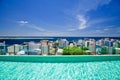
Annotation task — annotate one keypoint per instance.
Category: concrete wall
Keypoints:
(60, 59)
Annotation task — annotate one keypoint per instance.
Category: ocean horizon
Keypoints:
(21, 39)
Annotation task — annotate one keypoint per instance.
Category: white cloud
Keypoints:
(82, 22)
(81, 9)
(35, 27)
(26, 24)
(85, 6)
(22, 22)
(88, 5)
(100, 20)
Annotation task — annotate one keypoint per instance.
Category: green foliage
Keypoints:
(119, 46)
(104, 50)
(73, 51)
(114, 51)
(85, 48)
(66, 51)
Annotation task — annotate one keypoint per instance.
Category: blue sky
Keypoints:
(60, 18)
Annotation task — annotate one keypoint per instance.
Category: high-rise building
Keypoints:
(13, 49)
(71, 44)
(92, 46)
(80, 43)
(87, 43)
(59, 51)
(63, 43)
(110, 50)
(34, 46)
(52, 51)
(101, 42)
(115, 44)
(44, 47)
(51, 48)
(2, 48)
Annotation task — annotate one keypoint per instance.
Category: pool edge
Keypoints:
(60, 58)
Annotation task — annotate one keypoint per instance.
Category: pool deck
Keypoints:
(60, 59)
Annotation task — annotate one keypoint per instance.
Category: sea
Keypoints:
(21, 39)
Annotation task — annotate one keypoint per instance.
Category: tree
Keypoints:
(85, 48)
(66, 51)
(104, 50)
(73, 51)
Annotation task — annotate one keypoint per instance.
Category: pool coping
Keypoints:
(59, 58)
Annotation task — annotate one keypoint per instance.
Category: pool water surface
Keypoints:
(106, 70)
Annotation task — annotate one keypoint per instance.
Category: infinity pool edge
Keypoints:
(60, 58)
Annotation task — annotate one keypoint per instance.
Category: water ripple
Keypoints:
(108, 70)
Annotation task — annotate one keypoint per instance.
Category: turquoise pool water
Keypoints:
(106, 70)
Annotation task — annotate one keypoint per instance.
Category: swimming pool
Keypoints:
(102, 70)
(105, 67)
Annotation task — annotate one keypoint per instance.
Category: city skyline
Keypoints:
(96, 18)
